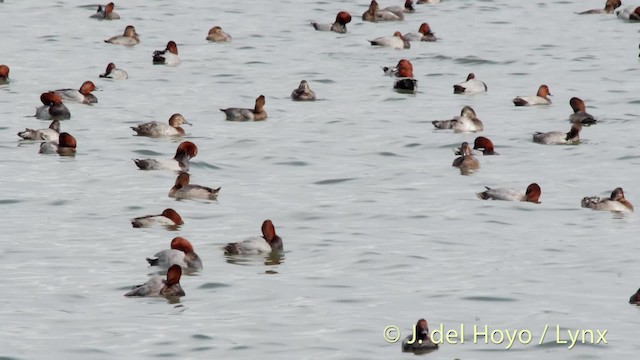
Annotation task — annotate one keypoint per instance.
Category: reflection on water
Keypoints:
(271, 259)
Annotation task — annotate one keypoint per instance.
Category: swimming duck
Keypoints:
(397, 41)
(269, 242)
(157, 129)
(64, 146)
(559, 137)
(339, 26)
(467, 121)
(303, 92)
(616, 202)
(107, 14)
(541, 98)
(169, 217)
(50, 134)
(424, 34)
(580, 114)
(240, 114)
(114, 73)
(180, 162)
(217, 35)
(532, 194)
(128, 38)
(405, 82)
(159, 286)
(471, 86)
(183, 190)
(53, 108)
(181, 253)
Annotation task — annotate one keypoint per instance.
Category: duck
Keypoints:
(128, 38)
(635, 298)
(609, 7)
(370, 14)
(401, 10)
(180, 162)
(50, 134)
(405, 82)
(629, 13)
(471, 86)
(616, 202)
(339, 26)
(375, 14)
(168, 56)
(466, 162)
(397, 41)
(181, 253)
(467, 121)
(303, 92)
(160, 286)
(532, 194)
(541, 98)
(240, 114)
(183, 190)
(483, 145)
(419, 341)
(217, 35)
(269, 242)
(4, 74)
(114, 73)
(580, 114)
(53, 108)
(559, 137)
(169, 218)
(64, 146)
(424, 34)
(82, 95)
(107, 14)
(158, 129)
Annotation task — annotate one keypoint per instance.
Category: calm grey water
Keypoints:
(379, 229)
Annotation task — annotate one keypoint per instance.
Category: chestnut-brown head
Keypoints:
(182, 180)
(172, 47)
(268, 231)
(408, 6)
(87, 87)
(4, 72)
(343, 18)
(182, 244)
(50, 98)
(173, 275)
(108, 9)
(533, 193)
(187, 147)
(405, 68)
(425, 29)
(577, 104)
(67, 140)
(543, 91)
(484, 143)
(173, 216)
(110, 68)
(421, 326)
